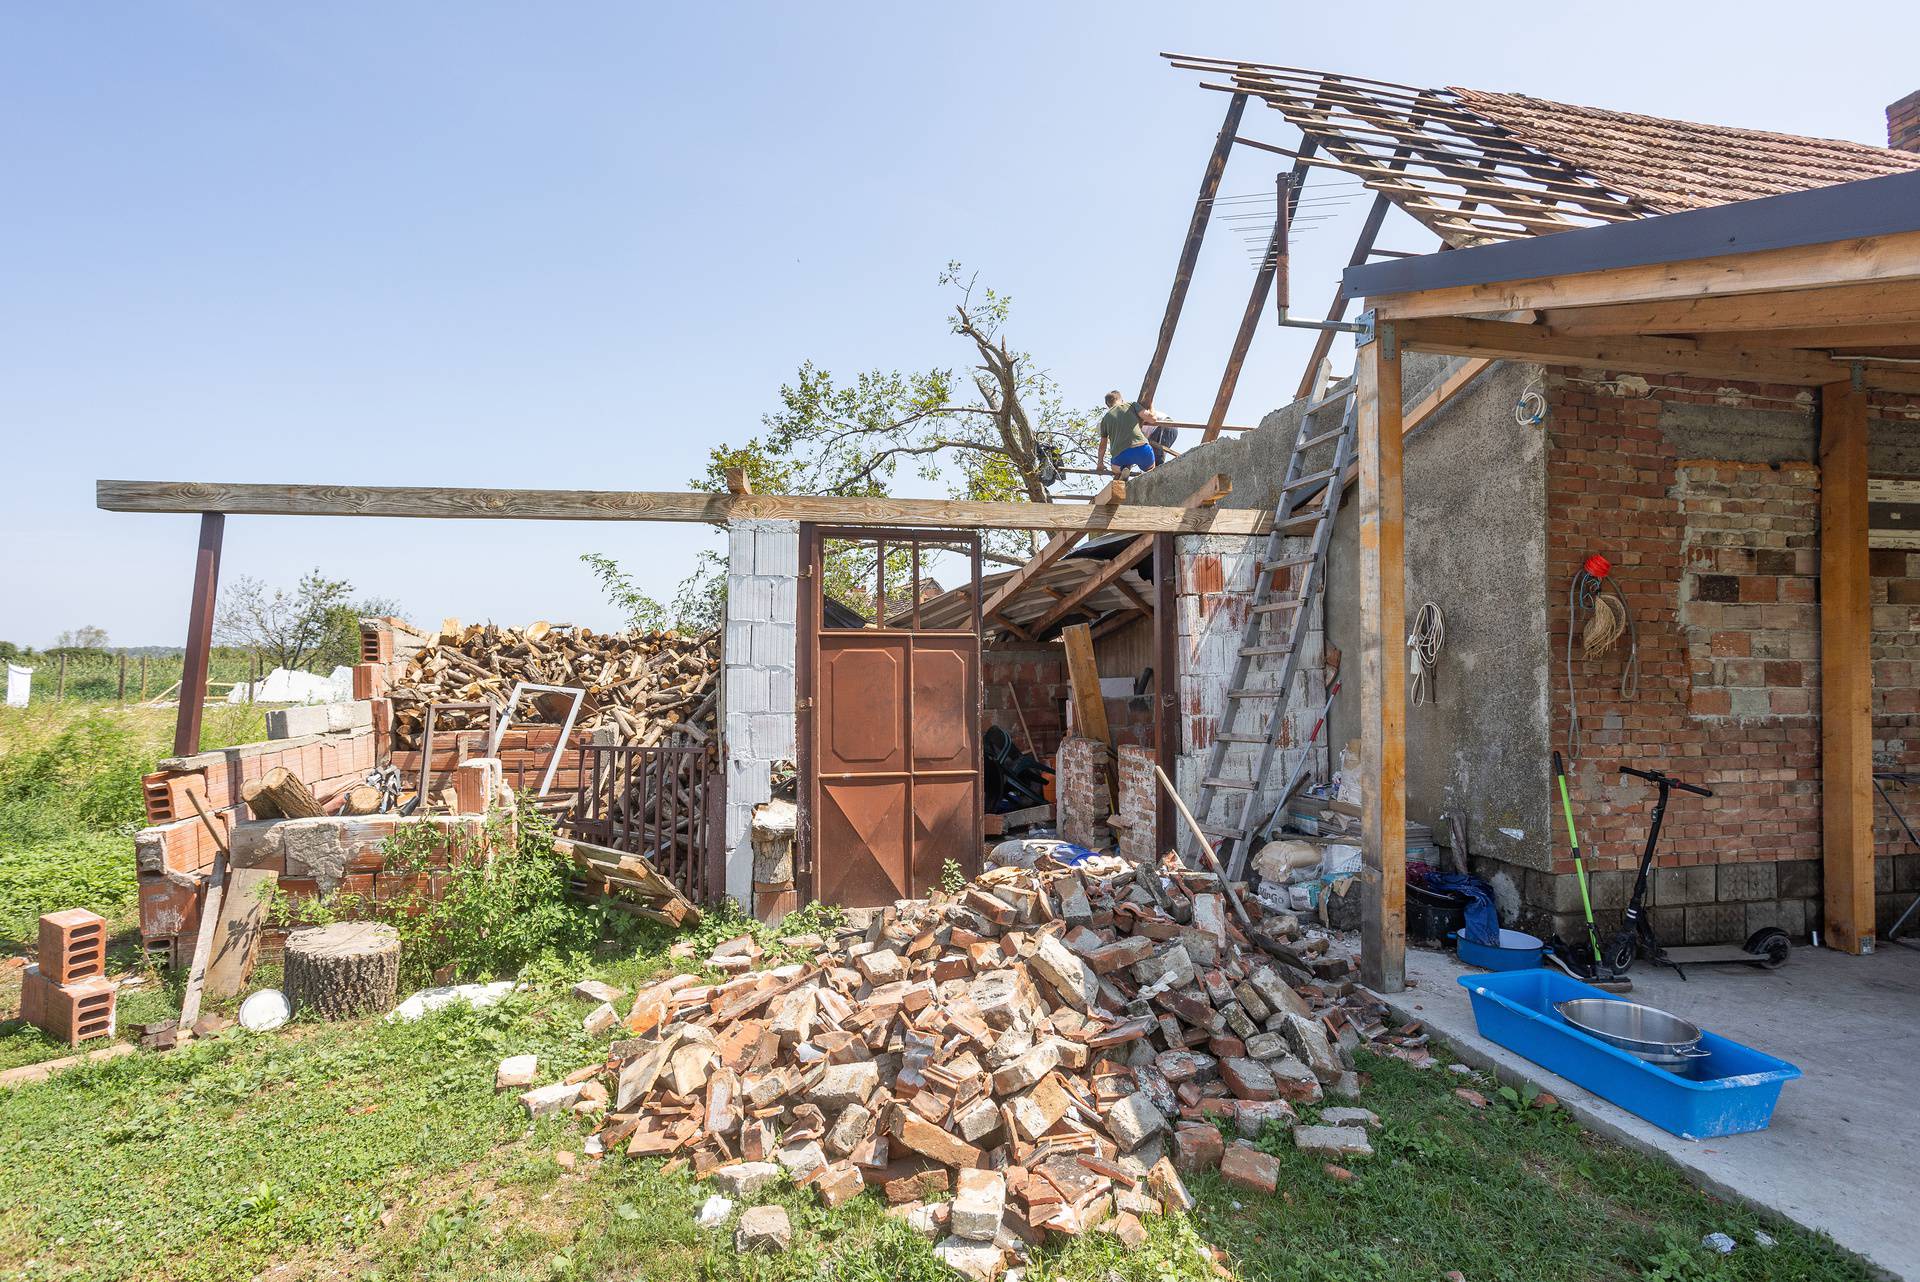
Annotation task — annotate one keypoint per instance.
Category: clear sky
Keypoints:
(577, 245)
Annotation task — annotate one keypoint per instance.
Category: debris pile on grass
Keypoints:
(1054, 1046)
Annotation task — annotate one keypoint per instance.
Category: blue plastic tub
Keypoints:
(1517, 951)
(1732, 1089)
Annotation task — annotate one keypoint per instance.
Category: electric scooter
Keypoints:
(1588, 964)
(1767, 948)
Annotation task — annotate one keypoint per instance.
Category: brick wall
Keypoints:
(1037, 677)
(1719, 561)
(757, 697)
(1213, 595)
(1081, 791)
(1139, 804)
(1903, 123)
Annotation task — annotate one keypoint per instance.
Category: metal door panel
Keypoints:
(946, 714)
(862, 680)
(863, 825)
(946, 816)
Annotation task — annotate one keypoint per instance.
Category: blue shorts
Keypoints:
(1140, 456)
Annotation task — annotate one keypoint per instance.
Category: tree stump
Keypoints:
(346, 969)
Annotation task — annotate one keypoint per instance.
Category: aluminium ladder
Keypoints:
(1308, 502)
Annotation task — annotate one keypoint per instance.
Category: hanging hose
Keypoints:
(1594, 592)
(1429, 633)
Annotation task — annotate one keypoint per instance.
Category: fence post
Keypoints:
(123, 678)
(143, 678)
(60, 691)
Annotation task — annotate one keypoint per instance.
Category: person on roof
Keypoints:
(1123, 434)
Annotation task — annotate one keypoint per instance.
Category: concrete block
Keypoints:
(776, 547)
(1742, 883)
(785, 599)
(739, 643)
(772, 645)
(749, 598)
(1797, 878)
(748, 690)
(780, 691)
(296, 722)
(773, 737)
(355, 714)
(1716, 924)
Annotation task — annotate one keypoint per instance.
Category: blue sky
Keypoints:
(577, 245)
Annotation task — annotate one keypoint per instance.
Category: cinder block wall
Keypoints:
(757, 698)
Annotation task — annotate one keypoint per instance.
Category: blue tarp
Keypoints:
(1483, 922)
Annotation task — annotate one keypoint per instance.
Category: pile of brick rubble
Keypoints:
(1051, 1047)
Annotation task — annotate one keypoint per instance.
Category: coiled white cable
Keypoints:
(1424, 642)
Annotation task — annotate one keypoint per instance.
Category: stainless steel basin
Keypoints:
(1641, 1031)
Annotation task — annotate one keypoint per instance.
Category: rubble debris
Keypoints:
(763, 1228)
(516, 1072)
(1348, 1141)
(1055, 1073)
(639, 685)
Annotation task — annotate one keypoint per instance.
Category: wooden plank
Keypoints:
(640, 505)
(1190, 248)
(1846, 672)
(236, 937)
(1506, 340)
(1839, 305)
(1217, 487)
(1166, 673)
(200, 612)
(1055, 548)
(1089, 708)
(1383, 677)
(1796, 268)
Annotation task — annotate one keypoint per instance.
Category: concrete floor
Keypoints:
(1843, 1152)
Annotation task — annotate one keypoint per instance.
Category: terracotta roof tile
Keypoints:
(1676, 164)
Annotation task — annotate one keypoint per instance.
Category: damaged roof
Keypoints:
(1477, 167)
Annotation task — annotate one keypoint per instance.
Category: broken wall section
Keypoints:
(757, 699)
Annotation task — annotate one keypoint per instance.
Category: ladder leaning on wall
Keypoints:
(1308, 504)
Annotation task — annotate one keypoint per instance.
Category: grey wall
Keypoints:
(1475, 546)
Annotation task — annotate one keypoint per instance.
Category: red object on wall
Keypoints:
(1598, 566)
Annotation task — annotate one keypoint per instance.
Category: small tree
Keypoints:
(341, 645)
(286, 628)
(86, 638)
(641, 612)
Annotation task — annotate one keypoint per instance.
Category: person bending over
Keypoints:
(1123, 435)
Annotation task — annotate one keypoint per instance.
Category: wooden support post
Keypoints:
(1190, 250)
(193, 674)
(123, 678)
(1846, 671)
(1383, 669)
(1166, 674)
(60, 689)
(143, 678)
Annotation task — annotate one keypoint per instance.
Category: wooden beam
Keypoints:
(1166, 674)
(200, 611)
(641, 505)
(1846, 672)
(1506, 340)
(1877, 302)
(1383, 677)
(1216, 488)
(1089, 707)
(1190, 248)
(1337, 309)
(1056, 547)
(1798, 268)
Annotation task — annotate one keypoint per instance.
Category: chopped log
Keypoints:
(340, 971)
(362, 799)
(279, 794)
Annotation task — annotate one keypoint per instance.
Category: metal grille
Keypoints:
(657, 802)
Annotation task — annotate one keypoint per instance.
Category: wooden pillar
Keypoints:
(1383, 669)
(1166, 679)
(1846, 671)
(1190, 248)
(193, 674)
(123, 678)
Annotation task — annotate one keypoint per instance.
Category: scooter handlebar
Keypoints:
(1654, 776)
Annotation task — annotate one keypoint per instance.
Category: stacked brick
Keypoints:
(174, 855)
(67, 994)
(524, 754)
(1903, 123)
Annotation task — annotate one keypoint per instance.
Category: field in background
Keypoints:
(93, 676)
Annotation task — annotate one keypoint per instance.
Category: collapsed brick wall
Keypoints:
(524, 754)
(1080, 785)
(1719, 561)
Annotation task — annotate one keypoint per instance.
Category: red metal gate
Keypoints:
(889, 731)
(657, 801)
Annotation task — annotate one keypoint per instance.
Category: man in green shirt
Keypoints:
(1123, 435)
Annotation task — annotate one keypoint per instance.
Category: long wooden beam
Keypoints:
(641, 505)
(1190, 248)
(1383, 671)
(1507, 340)
(200, 612)
(1877, 302)
(1846, 672)
(1055, 548)
(1215, 489)
(1798, 268)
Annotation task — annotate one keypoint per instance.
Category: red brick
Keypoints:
(1250, 1169)
(71, 1013)
(73, 945)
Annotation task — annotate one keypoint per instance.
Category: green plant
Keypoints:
(953, 879)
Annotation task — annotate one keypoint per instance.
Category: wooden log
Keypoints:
(343, 970)
(279, 794)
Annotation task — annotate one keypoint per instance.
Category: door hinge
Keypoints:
(804, 704)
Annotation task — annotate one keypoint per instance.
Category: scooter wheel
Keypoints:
(1771, 946)
(1619, 954)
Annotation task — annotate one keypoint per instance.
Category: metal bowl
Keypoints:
(1642, 1031)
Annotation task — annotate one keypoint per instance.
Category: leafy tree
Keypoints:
(641, 612)
(85, 638)
(341, 646)
(997, 431)
(288, 629)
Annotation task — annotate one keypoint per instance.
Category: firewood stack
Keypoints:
(1051, 1047)
(644, 686)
